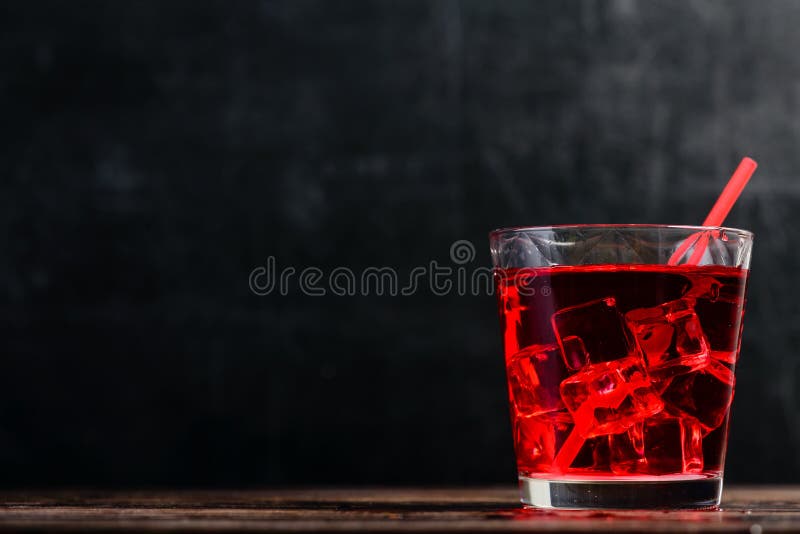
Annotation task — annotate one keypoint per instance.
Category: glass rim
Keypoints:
(747, 234)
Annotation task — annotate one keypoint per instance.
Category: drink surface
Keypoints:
(621, 371)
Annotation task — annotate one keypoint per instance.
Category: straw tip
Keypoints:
(749, 161)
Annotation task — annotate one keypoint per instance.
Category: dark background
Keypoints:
(152, 154)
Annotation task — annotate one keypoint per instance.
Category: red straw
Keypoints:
(731, 193)
(718, 213)
(569, 449)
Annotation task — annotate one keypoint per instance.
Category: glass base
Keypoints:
(663, 492)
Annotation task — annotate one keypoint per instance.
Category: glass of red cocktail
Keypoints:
(620, 355)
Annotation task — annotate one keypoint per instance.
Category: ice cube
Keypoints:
(537, 439)
(626, 451)
(705, 395)
(704, 287)
(609, 397)
(722, 324)
(670, 337)
(710, 288)
(593, 332)
(660, 445)
(640, 403)
(534, 375)
(721, 309)
(575, 354)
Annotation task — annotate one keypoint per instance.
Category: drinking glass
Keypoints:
(620, 345)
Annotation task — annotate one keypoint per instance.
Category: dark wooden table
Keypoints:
(745, 509)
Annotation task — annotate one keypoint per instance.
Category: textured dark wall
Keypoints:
(153, 153)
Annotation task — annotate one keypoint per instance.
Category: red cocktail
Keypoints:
(621, 375)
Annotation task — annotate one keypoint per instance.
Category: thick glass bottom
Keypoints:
(662, 492)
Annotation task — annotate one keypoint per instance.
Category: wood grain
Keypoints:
(745, 509)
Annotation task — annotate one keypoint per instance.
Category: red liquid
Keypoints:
(621, 369)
